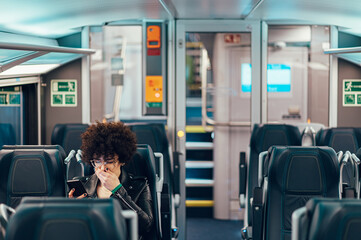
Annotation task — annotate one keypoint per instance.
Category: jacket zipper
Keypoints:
(125, 202)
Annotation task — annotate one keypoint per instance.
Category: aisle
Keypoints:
(212, 229)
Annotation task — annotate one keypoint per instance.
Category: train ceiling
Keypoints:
(54, 18)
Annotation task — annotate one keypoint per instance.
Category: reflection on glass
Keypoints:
(198, 66)
(7, 55)
(215, 60)
(118, 56)
(297, 71)
(54, 58)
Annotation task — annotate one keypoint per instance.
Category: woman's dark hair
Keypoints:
(108, 139)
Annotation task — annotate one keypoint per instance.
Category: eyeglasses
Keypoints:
(98, 163)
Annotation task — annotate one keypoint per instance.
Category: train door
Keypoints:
(209, 107)
(19, 112)
(11, 111)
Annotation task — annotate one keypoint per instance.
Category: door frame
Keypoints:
(183, 26)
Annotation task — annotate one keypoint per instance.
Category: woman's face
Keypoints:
(112, 164)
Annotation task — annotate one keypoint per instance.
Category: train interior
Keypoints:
(219, 91)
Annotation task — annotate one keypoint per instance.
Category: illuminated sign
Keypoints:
(278, 77)
(351, 93)
(63, 93)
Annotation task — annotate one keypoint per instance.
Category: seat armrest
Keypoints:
(133, 220)
(176, 172)
(166, 216)
(242, 179)
(257, 209)
(297, 215)
(261, 159)
(160, 178)
(247, 232)
(5, 214)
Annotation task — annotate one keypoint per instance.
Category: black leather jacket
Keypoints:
(133, 195)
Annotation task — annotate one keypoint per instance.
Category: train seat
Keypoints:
(323, 219)
(64, 218)
(342, 139)
(144, 157)
(154, 134)
(68, 135)
(292, 176)
(264, 136)
(27, 170)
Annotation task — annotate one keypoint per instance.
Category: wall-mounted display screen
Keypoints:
(278, 77)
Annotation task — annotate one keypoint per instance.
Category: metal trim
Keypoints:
(342, 50)
(31, 47)
(333, 97)
(85, 78)
(18, 81)
(264, 62)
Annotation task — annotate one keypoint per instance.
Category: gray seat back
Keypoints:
(31, 171)
(71, 219)
(295, 175)
(264, 136)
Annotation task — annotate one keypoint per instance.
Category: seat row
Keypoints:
(327, 219)
(289, 177)
(63, 218)
(153, 134)
(40, 171)
(296, 168)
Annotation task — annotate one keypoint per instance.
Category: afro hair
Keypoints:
(108, 139)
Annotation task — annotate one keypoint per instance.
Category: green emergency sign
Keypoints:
(64, 93)
(63, 86)
(351, 93)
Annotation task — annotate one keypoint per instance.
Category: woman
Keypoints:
(108, 147)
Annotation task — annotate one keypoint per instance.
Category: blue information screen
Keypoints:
(278, 77)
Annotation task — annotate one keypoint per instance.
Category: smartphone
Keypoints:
(78, 186)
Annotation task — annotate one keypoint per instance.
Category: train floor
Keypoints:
(213, 229)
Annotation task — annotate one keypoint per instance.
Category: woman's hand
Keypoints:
(108, 179)
(70, 194)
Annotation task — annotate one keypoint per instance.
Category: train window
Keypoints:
(297, 71)
(9, 54)
(213, 61)
(116, 72)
